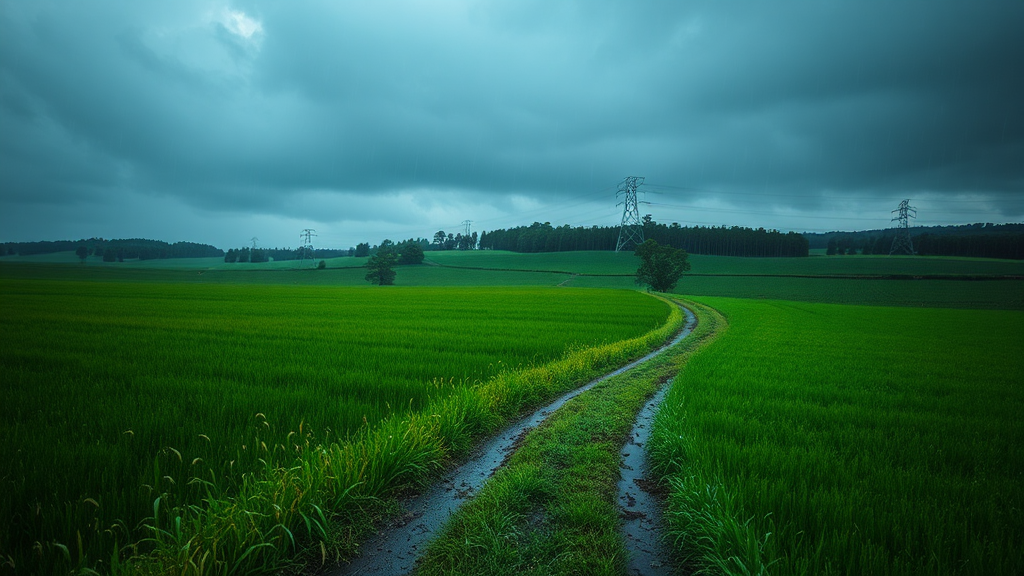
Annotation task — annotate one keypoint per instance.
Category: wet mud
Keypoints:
(639, 495)
(396, 548)
(639, 506)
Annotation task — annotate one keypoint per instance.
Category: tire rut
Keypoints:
(639, 496)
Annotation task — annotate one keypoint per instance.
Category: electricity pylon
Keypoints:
(631, 231)
(902, 244)
(307, 245)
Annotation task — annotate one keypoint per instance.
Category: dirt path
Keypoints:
(396, 548)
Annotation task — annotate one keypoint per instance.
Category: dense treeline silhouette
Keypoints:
(723, 241)
(121, 249)
(279, 254)
(977, 240)
(1010, 246)
(1005, 241)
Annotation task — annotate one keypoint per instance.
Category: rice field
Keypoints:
(122, 398)
(823, 439)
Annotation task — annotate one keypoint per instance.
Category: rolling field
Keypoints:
(710, 276)
(116, 393)
(822, 439)
(599, 263)
(626, 263)
(994, 294)
(407, 275)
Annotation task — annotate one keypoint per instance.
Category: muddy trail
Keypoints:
(397, 547)
(639, 504)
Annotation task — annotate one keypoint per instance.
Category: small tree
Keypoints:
(109, 255)
(362, 250)
(82, 252)
(660, 266)
(412, 253)
(322, 265)
(382, 264)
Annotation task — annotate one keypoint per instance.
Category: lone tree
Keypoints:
(82, 252)
(382, 264)
(660, 266)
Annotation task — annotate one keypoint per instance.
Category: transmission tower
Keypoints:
(254, 240)
(631, 231)
(902, 244)
(306, 236)
(467, 224)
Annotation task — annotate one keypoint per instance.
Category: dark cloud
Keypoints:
(397, 118)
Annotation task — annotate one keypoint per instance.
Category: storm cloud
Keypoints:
(214, 122)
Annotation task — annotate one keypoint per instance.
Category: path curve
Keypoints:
(395, 550)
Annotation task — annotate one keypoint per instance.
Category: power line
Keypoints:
(653, 188)
(757, 213)
(564, 204)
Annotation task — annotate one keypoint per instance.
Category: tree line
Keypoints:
(717, 241)
(451, 241)
(280, 254)
(116, 250)
(1009, 246)
(1005, 245)
(981, 240)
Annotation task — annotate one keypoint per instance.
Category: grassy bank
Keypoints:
(819, 439)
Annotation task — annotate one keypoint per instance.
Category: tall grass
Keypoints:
(821, 439)
(214, 429)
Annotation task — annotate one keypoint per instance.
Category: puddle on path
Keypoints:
(396, 548)
(639, 509)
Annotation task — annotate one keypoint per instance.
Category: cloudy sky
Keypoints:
(219, 121)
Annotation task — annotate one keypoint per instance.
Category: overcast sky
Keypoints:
(219, 121)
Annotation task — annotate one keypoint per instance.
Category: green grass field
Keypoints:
(196, 348)
(101, 379)
(822, 439)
